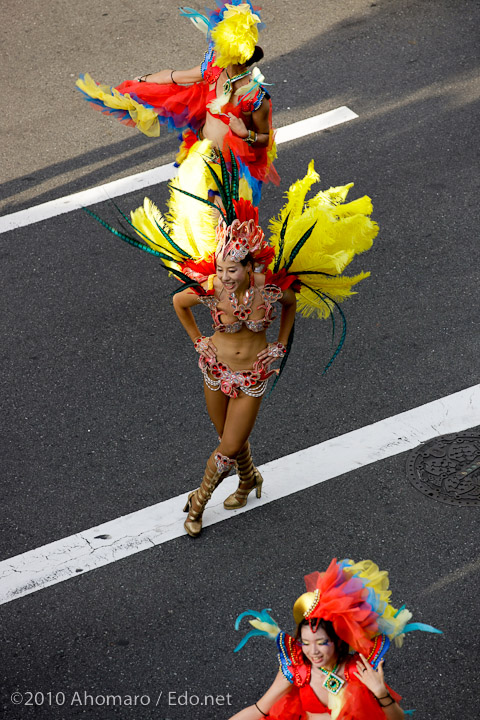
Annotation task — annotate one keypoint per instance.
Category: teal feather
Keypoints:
(136, 243)
(200, 199)
(176, 247)
(249, 635)
(235, 177)
(323, 297)
(164, 233)
(281, 245)
(298, 246)
(227, 189)
(315, 272)
(262, 616)
(284, 359)
(127, 238)
(342, 337)
(420, 626)
(189, 284)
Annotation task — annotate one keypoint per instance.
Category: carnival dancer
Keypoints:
(221, 256)
(332, 669)
(222, 99)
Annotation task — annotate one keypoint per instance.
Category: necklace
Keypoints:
(228, 84)
(242, 311)
(332, 682)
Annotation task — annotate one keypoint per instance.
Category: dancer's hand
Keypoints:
(272, 352)
(372, 679)
(204, 346)
(237, 126)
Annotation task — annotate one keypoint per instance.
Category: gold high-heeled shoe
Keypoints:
(249, 479)
(198, 499)
(193, 523)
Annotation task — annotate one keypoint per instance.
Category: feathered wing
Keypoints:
(316, 240)
(123, 106)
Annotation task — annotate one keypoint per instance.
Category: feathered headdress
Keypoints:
(355, 598)
(232, 28)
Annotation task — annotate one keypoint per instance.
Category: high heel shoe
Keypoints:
(193, 523)
(249, 479)
(198, 499)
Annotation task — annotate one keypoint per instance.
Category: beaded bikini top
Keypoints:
(270, 294)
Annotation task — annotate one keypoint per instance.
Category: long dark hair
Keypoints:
(341, 647)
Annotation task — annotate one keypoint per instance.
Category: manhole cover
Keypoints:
(448, 469)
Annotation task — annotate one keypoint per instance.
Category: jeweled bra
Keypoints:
(270, 295)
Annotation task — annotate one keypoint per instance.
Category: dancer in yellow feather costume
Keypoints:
(222, 99)
(219, 252)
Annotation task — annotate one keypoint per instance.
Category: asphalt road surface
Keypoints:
(102, 408)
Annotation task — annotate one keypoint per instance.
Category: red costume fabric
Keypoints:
(358, 703)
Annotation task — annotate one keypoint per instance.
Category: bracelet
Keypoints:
(276, 349)
(171, 77)
(251, 137)
(261, 711)
(392, 701)
(201, 344)
(142, 77)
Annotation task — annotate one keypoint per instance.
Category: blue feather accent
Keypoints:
(262, 616)
(420, 626)
(247, 637)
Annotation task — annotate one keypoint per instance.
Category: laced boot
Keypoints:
(218, 467)
(249, 477)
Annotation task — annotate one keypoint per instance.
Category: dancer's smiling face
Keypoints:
(317, 647)
(233, 275)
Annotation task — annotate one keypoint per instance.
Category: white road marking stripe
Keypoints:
(160, 523)
(155, 176)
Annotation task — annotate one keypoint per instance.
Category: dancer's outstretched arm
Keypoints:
(178, 77)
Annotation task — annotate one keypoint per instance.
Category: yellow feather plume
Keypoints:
(146, 119)
(270, 628)
(235, 36)
(337, 233)
(192, 223)
(391, 621)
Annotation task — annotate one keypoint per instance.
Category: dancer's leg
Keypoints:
(240, 418)
(233, 419)
(217, 404)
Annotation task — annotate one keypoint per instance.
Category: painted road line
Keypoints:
(160, 523)
(154, 177)
(314, 124)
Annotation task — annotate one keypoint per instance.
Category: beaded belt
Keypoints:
(230, 382)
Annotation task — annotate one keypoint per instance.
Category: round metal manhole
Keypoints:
(447, 469)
